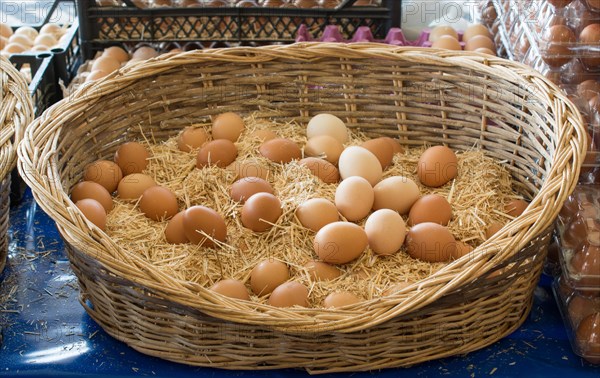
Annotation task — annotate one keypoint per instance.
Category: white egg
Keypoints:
(327, 124)
(358, 161)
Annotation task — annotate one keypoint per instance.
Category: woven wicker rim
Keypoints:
(16, 112)
(38, 165)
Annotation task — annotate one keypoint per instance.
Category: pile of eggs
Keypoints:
(114, 57)
(476, 38)
(367, 210)
(27, 39)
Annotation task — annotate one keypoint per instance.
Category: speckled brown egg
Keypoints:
(289, 294)
(430, 242)
(322, 169)
(132, 186)
(93, 212)
(437, 166)
(227, 126)
(430, 208)
(244, 188)
(340, 242)
(158, 203)
(93, 190)
(200, 220)
(267, 275)
(174, 232)
(220, 152)
(280, 150)
(105, 173)
(261, 211)
(192, 138)
(231, 288)
(131, 157)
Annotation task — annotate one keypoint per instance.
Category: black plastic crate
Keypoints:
(104, 26)
(43, 87)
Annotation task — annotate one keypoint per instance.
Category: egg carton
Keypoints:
(332, 33)
(580, 313)
(578, 227)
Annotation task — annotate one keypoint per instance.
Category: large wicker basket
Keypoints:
(462, 100)
(16, 111)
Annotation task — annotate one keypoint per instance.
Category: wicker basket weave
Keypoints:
(16, 111)
(463, 100)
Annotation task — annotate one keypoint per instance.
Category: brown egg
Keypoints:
(315, 213)
(560, 3)
(5, 30)
(200, 220)
(260, 211)
(289, 294)
(588, 337)
(93, 190)
(227, 126)
(132, 186)
(320, 271)
(322, 169)
(144, 52)
(174, 232)
(27, 31)
(484, 50)
(263, 135)
(462, 249)
(191, 138)
(589, 89)
(396, 146)
(93, 212)
(246, 187)
(95, 75)
(327, 124)
(21, 39)
(220, 152)
(396, 288)
(249, 168)
(340, 242)
(448, 43)
(3, 42)
(430, 208)
(386, 231)
(480, 41)
(131, 157)
(396, 193)
(437, 166)
(14, 48)
(45, 39)
(580, 307)
(430, 242)
(231, 288)
(117, 53)
(382, 149)
(574, 233)
(40, 48)
(515, 207)
(105, 173)
(267, 275)
(585, 262)
(51, 28)
(594, 5)
(442, 30)
(590, 35)
(354, 198)
(280, 150)
(559, 39)
(475, 30)
(158, 203)
(340, 299)
(358, 161)
(106, 64)
(325, 147)
(492, 229)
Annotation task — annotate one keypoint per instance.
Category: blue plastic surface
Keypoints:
(47, 333)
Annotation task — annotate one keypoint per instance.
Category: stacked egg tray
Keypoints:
(102, 26)
(577, 289)
(561, 39)
(44, 68)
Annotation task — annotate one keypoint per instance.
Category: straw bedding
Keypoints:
(477, 197)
